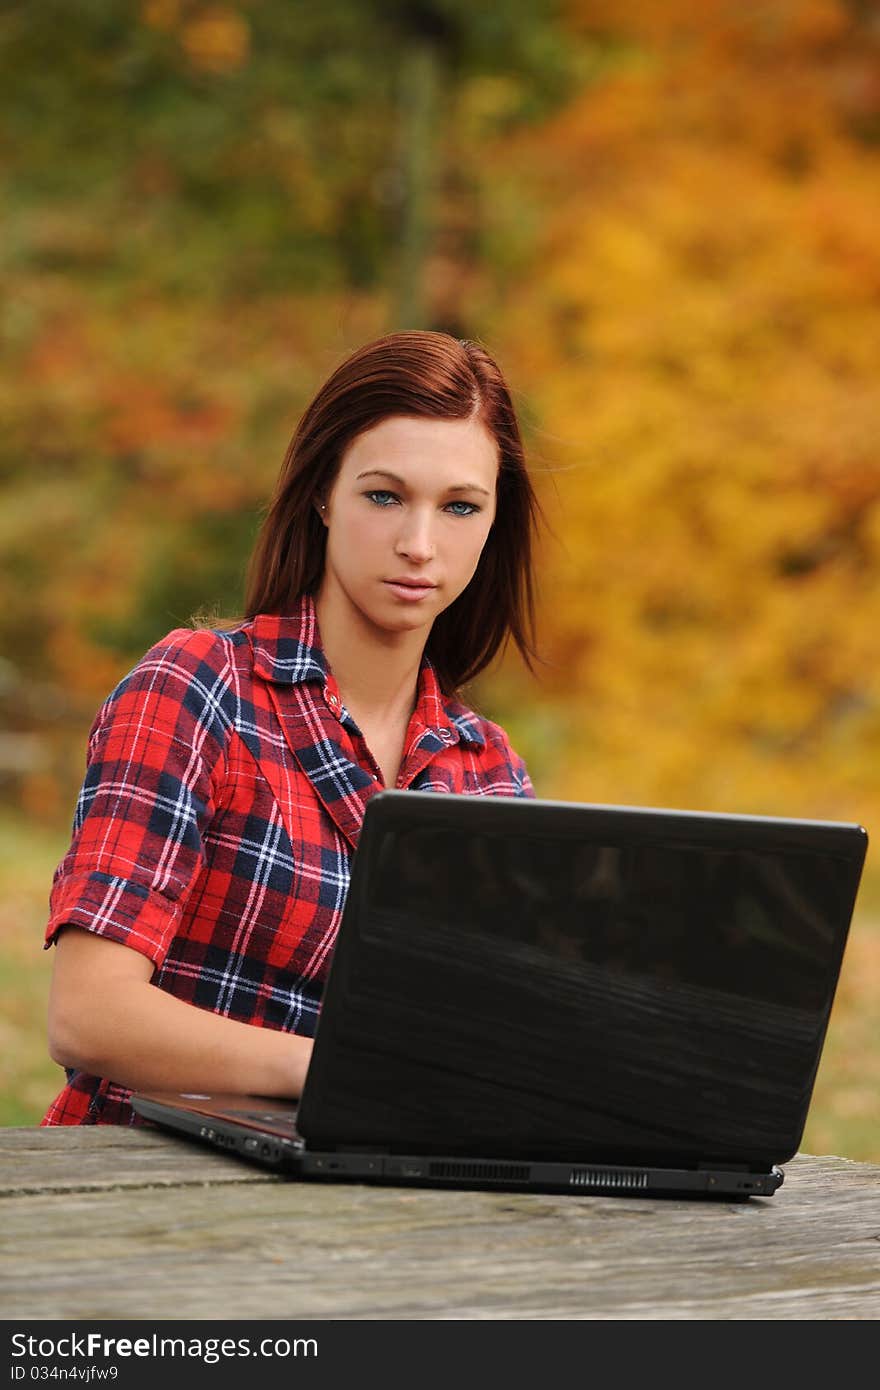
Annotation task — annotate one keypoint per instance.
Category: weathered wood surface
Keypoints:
(95, 1159)
(117, 1223)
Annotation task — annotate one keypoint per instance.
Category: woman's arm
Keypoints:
(107, 1019)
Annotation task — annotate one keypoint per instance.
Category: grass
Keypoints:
(844, 1116)
(28, 1077)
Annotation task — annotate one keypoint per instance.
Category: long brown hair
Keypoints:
(422, 374)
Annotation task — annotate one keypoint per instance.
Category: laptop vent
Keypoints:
(629, 1178)
(481, 1172)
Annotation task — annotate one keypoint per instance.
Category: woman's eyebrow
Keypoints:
(401, 482)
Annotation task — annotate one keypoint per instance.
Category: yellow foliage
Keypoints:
(699, 331)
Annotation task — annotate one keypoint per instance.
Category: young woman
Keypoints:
(195, 912)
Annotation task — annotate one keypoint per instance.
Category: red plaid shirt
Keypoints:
(224, 793)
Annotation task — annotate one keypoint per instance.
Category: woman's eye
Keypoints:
(381, 497)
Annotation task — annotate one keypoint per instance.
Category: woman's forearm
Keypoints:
(106, 1018)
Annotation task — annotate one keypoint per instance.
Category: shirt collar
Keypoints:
(287, 647)
(287, 651)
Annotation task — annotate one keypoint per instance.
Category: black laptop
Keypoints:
(554, 996)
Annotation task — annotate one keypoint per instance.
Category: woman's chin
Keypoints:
(397, 618)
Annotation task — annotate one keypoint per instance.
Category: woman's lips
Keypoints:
(411, 592)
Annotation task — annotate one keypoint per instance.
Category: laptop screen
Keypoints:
(632, 986)
(744, 921)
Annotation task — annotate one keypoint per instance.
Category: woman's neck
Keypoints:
(377, 672)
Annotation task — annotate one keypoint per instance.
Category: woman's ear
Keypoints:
(321, 508)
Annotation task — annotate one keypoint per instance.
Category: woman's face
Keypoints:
(407, 518)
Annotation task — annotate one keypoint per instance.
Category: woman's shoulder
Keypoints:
(196, 668)
(214, 647)
(477, 729)
(496, 763)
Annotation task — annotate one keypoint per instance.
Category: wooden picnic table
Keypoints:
(129, 1223)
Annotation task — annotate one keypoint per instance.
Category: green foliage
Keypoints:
(238, 149)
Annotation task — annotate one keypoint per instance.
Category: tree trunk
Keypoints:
(419, 91)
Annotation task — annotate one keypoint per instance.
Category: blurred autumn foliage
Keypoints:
(662, 218)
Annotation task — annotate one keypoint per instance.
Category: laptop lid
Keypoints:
(560, 980)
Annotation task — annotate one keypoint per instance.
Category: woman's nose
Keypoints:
(416, 539)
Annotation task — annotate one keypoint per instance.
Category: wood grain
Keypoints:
(113, 1223)
(100, 1158)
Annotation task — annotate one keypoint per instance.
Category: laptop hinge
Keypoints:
(723, 1164)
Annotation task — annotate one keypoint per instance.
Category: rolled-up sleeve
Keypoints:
(155, 760)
